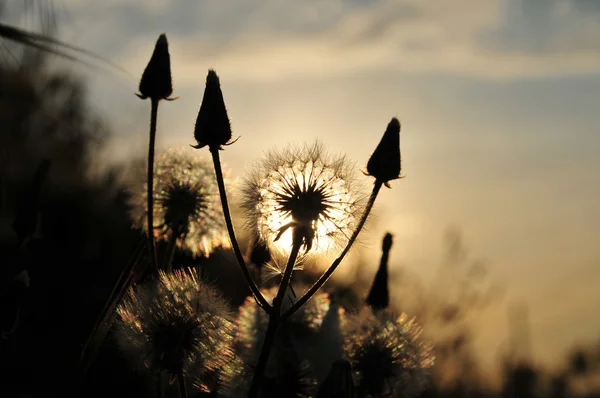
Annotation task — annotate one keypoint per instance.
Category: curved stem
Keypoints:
(150, 183)
(262, 302)
(321, 281)
(274, 320)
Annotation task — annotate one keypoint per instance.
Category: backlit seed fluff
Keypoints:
(385, 162)
(388, 355)
(303, 191)
(175, 323)
(156, 80)
(186, 203)
(212, 124)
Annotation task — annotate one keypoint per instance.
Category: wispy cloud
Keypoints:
(281, 39)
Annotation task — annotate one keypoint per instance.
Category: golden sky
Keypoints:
(500, 108)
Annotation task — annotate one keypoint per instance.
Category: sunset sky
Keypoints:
(500, 108)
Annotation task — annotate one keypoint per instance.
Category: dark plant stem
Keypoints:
(274, 320)
(321, 281)
(181, 382)
(262, 302)
(150, 204)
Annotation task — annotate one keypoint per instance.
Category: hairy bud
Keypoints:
(384, 163)
(212, 125)
(156, 80)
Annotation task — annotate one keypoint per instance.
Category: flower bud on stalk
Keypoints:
(212, 124)
(156, 80)
(384, 163)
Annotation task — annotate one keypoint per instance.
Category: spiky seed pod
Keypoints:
(178, 324)
(212, 124)
(388, 355)
(186, 203)
(339, 382)
(385, 163)
(156, 80)
(306, 191)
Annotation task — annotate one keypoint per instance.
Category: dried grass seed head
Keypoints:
(306, 192)
(186, 203)
(176, 323)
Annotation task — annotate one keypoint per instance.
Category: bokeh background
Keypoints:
(499, 102)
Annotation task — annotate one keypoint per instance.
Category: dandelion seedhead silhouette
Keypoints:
(186, 203)
(252, 320)
(178, 324)
(388, 356)
(303, 191)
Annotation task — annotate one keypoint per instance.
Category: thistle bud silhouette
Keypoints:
(379, 295)
(212, 124)
(384, 163)
(156, 80)
(339, 382)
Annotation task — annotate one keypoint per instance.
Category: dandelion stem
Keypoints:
(321, 281)
(262, 302)
(150, 205)
(181, 382)
(274, 320)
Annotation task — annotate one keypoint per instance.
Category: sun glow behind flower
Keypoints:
(303, 190)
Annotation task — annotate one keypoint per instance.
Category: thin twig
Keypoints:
(274, 320)
(321, 281)
(262, 302)
(150, 183)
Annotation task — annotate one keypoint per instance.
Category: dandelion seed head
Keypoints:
(303, 190)
(387, 354)
(300, 327)
(186, 203)
(176, 323)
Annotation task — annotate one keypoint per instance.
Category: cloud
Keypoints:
(281, 39)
